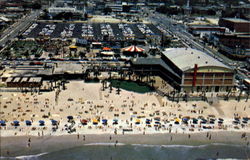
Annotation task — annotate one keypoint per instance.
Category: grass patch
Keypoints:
(132, 86)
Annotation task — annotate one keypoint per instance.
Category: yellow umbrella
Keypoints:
(95, 121)
(138, 120)
(177, 120)
(73, 47)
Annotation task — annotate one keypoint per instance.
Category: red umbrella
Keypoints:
(84, 121)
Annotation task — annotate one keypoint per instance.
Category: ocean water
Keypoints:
(107, 151)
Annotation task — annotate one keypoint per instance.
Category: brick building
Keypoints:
(235, 24)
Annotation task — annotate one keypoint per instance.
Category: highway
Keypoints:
(18, 27)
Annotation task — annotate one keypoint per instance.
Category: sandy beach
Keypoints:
(131, 118)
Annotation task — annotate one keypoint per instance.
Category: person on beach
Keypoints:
(78, 136)
(110, 138)
(116, 142)
(83, 137)
(217, 154)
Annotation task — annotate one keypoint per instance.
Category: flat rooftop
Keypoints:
(153, 61)
(237, 20)
(186, 58)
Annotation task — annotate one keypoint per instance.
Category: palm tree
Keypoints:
(129, 74)
(110, 88)
(248, 95)
(121, 73)
(96, 74)
(103, 85)
(63, 81)
(51, 84)
(110, 74)
(86, 75)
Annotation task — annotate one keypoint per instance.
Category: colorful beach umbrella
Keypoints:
(132, 49)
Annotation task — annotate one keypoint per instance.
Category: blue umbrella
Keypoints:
(104, 121)
(184, 119)
(41, 122)
(115, 121)
(148, 121)
(2, 122)
(54, 122)
(70, 117)
(16, 123)
(28, 122)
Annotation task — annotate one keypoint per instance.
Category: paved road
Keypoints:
(17, 27)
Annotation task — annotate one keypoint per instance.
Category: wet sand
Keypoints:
(18, 145)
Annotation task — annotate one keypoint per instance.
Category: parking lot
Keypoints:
(93, 31)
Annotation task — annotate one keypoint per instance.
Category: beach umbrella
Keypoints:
(132, 49)
(16, 123)
(84, 121)
(41, 122)
(70, 117)
(177, 120)
(2, 123)
(95, 121)
(104, 121)
(28, 122)
(157, 122)
(220, 122)
(54, 122)
(237, 119)
(185, 119)
(115, 121)
(221, 119)
(245, 118)
(195, 120)
(148, 121)
(106, 48)
(157, 118)
(138, 121)
(204, 121)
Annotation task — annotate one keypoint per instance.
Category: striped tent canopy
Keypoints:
(132, 49)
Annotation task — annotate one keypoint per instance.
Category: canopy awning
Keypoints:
(106, 48)
(111, 53)
(132, 49)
